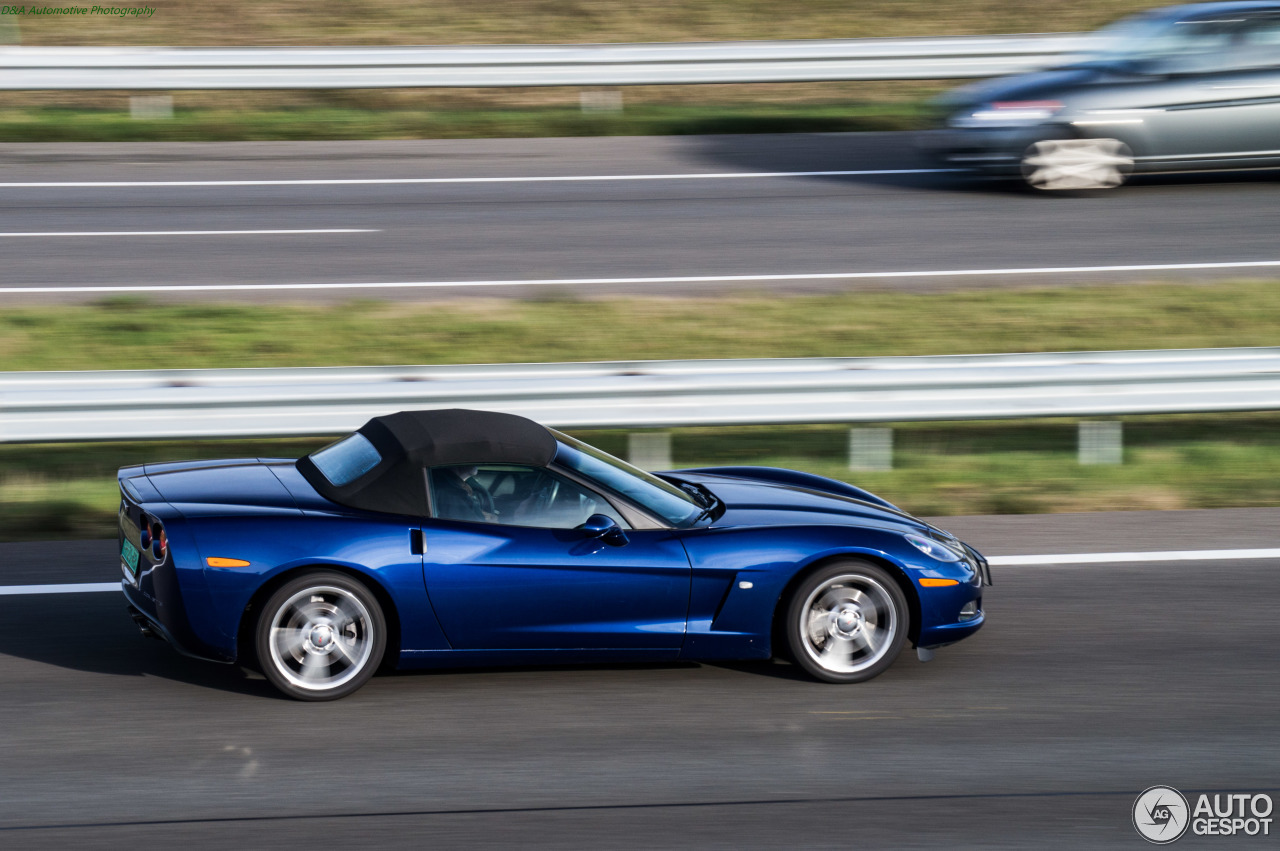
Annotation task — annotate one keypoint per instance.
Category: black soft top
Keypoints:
(409, 441)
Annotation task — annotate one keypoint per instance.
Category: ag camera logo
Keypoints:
(1160, 815)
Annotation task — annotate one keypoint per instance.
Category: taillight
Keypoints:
(159, 541)
(1009, 111)
(1046, 106)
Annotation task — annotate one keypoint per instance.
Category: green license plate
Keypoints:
(130, 556)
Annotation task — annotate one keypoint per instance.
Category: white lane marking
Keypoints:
(68, 588)
(185, 232)
(683, 279)
(997, 561)
(371, 181)
(1109, 558)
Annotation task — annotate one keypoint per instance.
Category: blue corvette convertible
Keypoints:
(453, 537)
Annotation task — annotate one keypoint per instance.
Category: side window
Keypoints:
(514, 496)
(1211, 46)
(1187, 47)
(1259, 43)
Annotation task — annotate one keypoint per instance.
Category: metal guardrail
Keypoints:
(172, 68)
(153, 404)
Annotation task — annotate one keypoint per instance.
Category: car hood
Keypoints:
(771, 497)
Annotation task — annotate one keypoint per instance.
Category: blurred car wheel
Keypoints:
(321, 636)
(1066, 165)
(847, 622)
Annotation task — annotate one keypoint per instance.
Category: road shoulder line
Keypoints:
(1118, 558)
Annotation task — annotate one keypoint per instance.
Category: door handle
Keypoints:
(417, 543)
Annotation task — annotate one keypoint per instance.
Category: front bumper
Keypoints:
(941, 636)
(955, 612)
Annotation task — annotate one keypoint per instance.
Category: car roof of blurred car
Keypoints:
(1195, 10)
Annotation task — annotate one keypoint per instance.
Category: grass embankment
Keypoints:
(556, 325)
(445, 113)
(289, 22)
(455, 22)
(960, 468)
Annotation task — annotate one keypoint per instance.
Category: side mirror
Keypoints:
(605, 528)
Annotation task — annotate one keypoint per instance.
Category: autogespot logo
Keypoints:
(1160, 815)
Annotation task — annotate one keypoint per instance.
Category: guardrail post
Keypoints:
(151, 107)
(870, 449)
(1101, 442)
(650, 450)
(600, 100)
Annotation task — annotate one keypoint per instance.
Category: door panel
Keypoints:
(516, 587)
(1221, 93)
(1222, 114)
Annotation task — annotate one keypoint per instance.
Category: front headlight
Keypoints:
(1009, 112)
(932, 548)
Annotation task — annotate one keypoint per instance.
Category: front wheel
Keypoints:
(847, 622)
(1076, 165)
(321, 636)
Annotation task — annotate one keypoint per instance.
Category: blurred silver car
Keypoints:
(1185, 88)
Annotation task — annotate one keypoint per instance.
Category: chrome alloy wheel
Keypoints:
(1057, 165)
(849, 623)
(321, 638)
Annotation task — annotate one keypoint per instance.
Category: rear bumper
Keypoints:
(989, 150)
(946, 141)
(145, 608)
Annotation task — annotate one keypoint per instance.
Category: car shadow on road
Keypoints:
(774, 668)
(894, 159)
(92, 632)
(879, 159)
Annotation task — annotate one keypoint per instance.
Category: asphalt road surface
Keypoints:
(1089, 684)
(181, 216)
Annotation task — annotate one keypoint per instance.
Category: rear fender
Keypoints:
(376, 551)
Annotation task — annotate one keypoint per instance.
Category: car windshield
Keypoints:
(662, 498)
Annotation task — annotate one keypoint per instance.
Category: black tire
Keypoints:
(320, 636)
(1076, 166)
(847, 622)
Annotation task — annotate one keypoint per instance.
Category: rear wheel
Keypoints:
(1076, 165)
(847, 622)
(321, 636)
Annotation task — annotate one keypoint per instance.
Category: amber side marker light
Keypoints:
(938, 583)
(226, 562)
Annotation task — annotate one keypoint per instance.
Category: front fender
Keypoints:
(728, 620)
